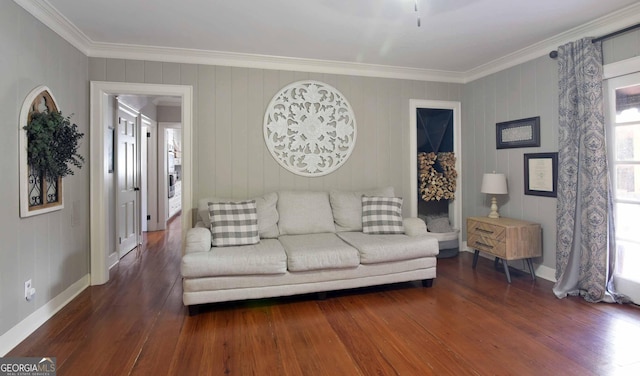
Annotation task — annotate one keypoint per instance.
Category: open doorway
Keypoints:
(146, 178)
(99, 182)
(435, 135)
(169, 169)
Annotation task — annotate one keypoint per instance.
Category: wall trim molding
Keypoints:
(24, 328)
(99, 92)
(622, 68)
(601, 26)
(246, 60)
(48, 15)
(546, 272)
(542, 271)
(113, 259)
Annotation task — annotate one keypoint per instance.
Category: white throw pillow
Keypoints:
(304, 212)
(347, 206)
(233, 223)
(382, 215)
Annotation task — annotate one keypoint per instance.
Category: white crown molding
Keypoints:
(243, 60)
(48, 15)
(610, 23)
(621, 68)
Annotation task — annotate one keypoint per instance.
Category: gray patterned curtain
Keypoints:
(584, 214)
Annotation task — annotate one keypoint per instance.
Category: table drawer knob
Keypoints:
(484, 231)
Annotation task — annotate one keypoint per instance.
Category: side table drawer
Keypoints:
(487, 244)
(486, 230)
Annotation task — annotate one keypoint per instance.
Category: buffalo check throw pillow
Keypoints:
(382, 215)
(233, 223)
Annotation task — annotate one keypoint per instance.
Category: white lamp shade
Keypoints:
(495, 184)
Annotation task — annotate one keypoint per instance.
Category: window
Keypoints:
(624, 156)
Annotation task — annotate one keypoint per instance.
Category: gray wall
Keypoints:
(170, 114)
(526, 90)
(230, 158)
(622, 47)
(529, 89)
(51, 249)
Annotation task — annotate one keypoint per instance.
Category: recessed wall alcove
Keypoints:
(435, 128)
(434, 133)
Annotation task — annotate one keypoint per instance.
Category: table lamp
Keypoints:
(494, 184)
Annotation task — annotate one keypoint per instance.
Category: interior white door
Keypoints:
(127, 179)
(144, 182)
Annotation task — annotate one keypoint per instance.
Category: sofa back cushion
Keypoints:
(347, 207)
(233, 223)
(265, 207)
(382, 215)
(304, 212)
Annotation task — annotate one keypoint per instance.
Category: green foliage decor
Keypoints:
(53, 144)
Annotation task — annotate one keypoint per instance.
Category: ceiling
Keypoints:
(457, 39)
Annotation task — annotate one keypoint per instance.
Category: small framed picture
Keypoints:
(520, 133)
(541, 174)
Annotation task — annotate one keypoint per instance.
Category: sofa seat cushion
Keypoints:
(266, 257)
(384, 248)
(318, 251)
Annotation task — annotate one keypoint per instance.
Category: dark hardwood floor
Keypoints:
(471, 322)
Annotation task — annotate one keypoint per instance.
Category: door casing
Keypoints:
(98, 203)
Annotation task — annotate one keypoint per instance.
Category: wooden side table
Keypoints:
(506, 238)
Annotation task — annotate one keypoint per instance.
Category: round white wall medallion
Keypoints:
(309, 128)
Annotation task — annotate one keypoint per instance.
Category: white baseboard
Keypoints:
(113, 259)
(24, 328)
(542, 271)
(546, 272)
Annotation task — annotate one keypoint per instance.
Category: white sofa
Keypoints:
(309, 242)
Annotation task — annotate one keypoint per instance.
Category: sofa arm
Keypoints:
(198, 240)
(414, 226)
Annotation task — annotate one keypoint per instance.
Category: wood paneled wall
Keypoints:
(230, 157)
(50, 249)
(622, 47)
(527, 90)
